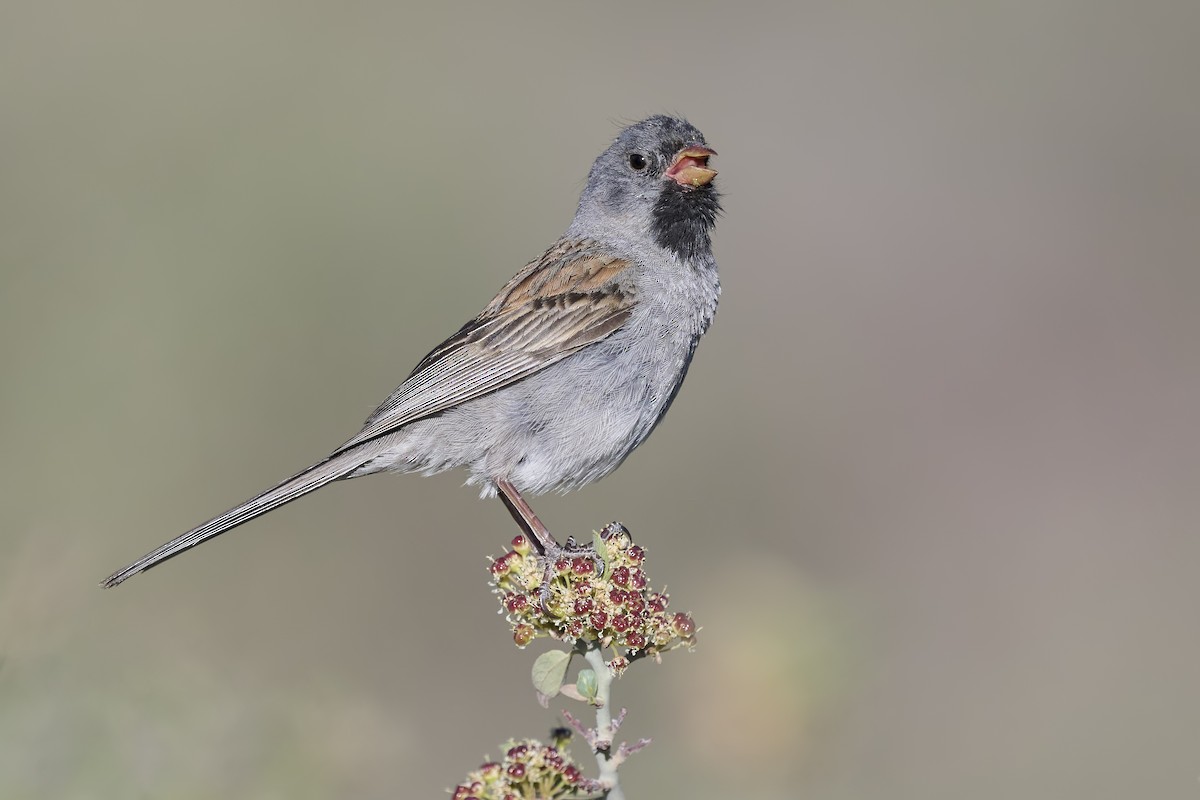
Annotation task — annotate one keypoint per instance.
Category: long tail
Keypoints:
(316, 476)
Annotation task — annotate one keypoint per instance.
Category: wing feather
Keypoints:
(570, 298)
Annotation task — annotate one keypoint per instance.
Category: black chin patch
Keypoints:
(683, 217)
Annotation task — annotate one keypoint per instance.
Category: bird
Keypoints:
(570, 366)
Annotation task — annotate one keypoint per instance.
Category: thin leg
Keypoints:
(538, 533)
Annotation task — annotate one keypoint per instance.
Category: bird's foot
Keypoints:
(556, 559)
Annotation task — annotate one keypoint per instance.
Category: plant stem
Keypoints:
(604, 724)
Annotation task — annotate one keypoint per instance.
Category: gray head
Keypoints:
(655, 175)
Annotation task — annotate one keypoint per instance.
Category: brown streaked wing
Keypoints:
(559, 304)
(557, 273)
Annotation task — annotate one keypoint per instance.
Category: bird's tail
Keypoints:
(316, 476)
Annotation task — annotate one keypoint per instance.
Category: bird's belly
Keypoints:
(577, 421)
(559, 429)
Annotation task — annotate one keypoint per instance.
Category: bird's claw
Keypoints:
(556, 559)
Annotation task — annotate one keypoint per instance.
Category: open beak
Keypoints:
(690, 167)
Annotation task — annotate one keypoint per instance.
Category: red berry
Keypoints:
(683, 625)
(562, 565)
(636, 554)
(583, 605)
(637, 579)
(622, 623)
(523, 634)
(517, 751)
(658, 603)
(620, 576)
(506, 564)
(572, 774)
(617, 596)
(634, 603)
(635, 640)
(521, 544)
(516, 603)
(516, 770)
(582, 566)
(598, 620)
(575, 628)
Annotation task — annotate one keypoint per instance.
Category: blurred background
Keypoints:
(931, 489)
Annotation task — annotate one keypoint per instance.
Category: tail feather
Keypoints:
(316, 476)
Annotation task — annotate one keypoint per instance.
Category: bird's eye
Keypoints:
(637, 161)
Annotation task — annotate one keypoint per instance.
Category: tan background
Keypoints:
(931, 488)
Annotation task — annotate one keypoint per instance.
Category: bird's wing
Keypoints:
(566, 300)
(563, 302)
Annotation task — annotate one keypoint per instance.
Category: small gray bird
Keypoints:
(569, 367)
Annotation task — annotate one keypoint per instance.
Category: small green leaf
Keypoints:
(549, 670)
(602, 551)
(586, 684)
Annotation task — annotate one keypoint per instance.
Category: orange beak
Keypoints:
(690, 167)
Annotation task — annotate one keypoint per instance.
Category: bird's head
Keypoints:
(655, 176)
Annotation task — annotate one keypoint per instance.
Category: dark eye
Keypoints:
(637, 161)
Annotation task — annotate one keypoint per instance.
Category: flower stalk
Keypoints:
(596, 599)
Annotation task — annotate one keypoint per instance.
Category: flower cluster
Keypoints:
(592, 594)
(528, 769)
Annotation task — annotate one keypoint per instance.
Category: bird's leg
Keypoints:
(549, 550)
(533, 527)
